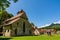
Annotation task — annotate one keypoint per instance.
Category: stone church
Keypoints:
(17, 25)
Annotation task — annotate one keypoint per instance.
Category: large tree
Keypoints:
(5, 4)
(4, 15)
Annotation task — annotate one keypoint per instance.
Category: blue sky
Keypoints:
(40, 12)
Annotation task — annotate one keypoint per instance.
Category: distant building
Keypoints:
(44, 31)
(35, 31)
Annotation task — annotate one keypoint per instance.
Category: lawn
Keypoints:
(41, 37)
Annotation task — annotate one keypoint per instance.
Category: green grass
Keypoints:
(41, 37)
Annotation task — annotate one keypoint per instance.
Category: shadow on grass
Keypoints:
(24, 35)
(5, 38)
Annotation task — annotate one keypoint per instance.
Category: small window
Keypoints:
(8, 30)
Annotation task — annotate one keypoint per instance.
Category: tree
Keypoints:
(4, 15)
(5, 4)
(32, 24)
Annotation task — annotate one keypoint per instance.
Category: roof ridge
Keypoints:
(12, 18)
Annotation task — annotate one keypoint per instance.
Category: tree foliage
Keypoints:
(5, 4)
(4, 15)
(32, 24)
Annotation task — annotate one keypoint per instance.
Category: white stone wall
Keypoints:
(7, 33)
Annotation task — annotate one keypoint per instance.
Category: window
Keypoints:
(8, 30)
(23, 27)
(16, 31)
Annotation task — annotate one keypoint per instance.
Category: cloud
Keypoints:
(57, 22)
(45, 25)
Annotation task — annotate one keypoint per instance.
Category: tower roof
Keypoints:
(21, 11)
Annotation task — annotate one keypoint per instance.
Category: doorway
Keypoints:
(24, 27)
(16, 31)
(1, 30)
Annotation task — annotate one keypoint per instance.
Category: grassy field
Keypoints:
(41, 37)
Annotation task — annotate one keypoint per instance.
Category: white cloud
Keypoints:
(57, 22)
(45, 25)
